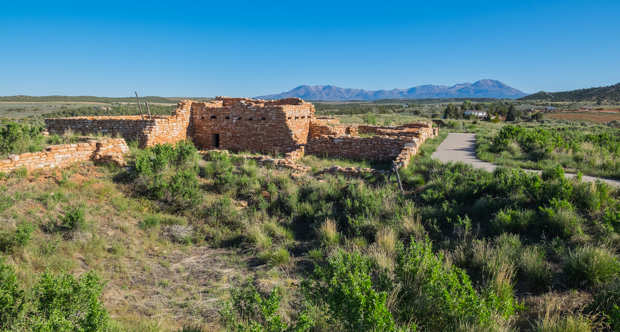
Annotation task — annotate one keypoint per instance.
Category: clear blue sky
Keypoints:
(249, 48)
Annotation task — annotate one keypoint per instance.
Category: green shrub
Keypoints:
(16, 138)
(12, 298)
(156, 220)
(275, 257)
(249, 310)
(560, 219)
(168, 173)
(533, 269)
(72, 220)
(19, 238)
(607, 301)
(183, 189)
(439, 297)
(513, 221)
(591, 266)
(64, 303)
(344, 284)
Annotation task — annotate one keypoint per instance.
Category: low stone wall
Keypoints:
(147, 131)
(381, 148)
(329, 127)
(419, 130)
(108, 149)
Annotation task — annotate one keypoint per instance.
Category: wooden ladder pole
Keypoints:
(139, 106)
(400, 184)
(148, 109)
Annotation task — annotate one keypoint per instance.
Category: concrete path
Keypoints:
(462, 147)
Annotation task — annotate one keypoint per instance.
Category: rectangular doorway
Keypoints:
(216, 141)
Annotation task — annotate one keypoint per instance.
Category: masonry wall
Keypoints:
(368, 148)
(147, 131)
(240, 124)
(330, 127)
(110, 149)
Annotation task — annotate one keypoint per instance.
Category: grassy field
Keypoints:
(184, 241)
(219, 243)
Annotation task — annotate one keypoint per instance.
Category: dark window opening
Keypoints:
(216, 140)
(213, 116)
(250, 119)
(227, 117)
(202, 117)
(263, 118)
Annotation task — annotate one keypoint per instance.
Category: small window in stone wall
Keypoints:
(227, 117)
(250, 119)
(213, 117)
(263, 118)
(290, 117)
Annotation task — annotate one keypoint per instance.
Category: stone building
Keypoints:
(241, 124)
(286, 126)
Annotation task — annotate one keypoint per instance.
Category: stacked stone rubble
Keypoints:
(108, 150)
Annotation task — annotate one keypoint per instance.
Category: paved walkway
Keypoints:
(462, 147)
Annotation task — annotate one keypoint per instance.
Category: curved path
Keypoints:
(462, 147)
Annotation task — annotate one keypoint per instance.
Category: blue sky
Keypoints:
(249, 48)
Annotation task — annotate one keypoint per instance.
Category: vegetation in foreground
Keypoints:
(461, 249)
(593, 150)
(16, 138)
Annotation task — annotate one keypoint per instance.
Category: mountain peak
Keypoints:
(484, 88)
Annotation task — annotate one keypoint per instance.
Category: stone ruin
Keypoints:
(63, 155)
(286, 126)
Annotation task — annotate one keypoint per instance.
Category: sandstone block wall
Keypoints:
(381, 148)
(241, 124)
(330, 127)
(285, 126)
(147, 131)
(109, 149)
(420, 130)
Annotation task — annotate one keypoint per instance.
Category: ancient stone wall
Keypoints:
(107, 149)
(241, 124)
(419, 130)
(147, 131)
(286, 126)
(330, 127)
(380, 148)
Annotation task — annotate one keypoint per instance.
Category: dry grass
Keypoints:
(593, 116)
(151, 282)
(386, 240)
(328, 232)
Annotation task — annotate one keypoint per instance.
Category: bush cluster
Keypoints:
(169, 174)
(55, 303)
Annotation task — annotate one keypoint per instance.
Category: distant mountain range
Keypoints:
(604, 93)
(480, 89)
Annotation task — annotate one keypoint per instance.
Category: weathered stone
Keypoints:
(108, 149)
(275, 126)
